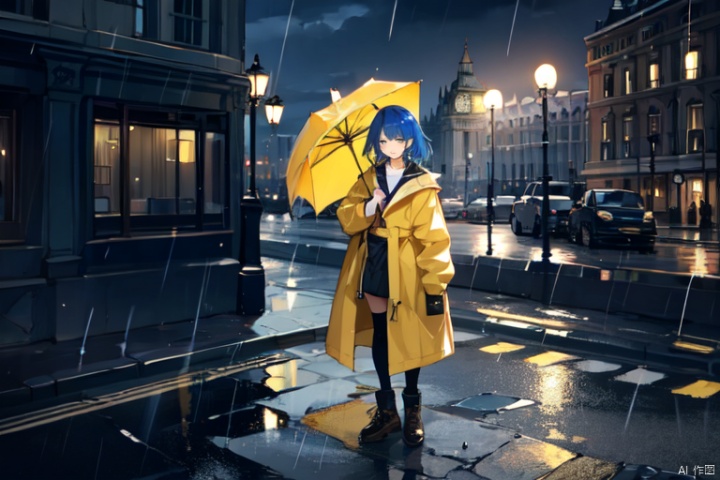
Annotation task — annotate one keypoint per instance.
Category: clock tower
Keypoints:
(456, 129)
(466, 90)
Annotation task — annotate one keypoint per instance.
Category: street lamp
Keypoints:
(492, 99)
(251, 281)
(545, 78)
(467, 174)
(653, 139)
(273, 110)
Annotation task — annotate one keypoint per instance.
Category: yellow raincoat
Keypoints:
(419, 262)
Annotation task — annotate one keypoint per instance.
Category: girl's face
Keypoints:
(393, 148)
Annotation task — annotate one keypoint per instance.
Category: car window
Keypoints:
(559, 190)
(619, 199)
(561, 204)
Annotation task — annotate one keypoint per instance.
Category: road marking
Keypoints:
(640, 376)
(699, 389)
(501, 347)
(550, 358)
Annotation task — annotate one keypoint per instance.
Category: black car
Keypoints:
(612, 217)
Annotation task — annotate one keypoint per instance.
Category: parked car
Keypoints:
(526, 213)
(477, 209)
(452, 208)
(611, 216)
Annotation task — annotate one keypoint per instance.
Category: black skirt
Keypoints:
(375, 275)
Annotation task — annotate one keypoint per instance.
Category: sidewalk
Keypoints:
(298, 305)
(687, 234)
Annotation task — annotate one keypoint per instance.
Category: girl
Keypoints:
(391, 290)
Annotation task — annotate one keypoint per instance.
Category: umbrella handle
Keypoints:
(357, 162)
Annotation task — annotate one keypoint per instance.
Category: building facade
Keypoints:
(121, 145)
(461, 133)
(654, 82)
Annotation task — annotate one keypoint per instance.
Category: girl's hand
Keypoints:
(379, 197)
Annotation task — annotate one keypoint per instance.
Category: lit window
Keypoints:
(627, 135)
(606, 144)
(628, 82)
(608, 85)
(695, 128)
(692, 62)
(654, 75)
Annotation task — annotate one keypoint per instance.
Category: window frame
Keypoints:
(127, 223)
(194, 21)
(695, 136)
(654, 81)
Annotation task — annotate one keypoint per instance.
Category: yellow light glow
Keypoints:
(2, 152)
(270, 420)
(493, 99)
(501, 347)
(691, 65)
(546, 76)
(550, 358)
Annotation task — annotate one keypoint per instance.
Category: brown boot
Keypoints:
(385, 421)
(413, 430)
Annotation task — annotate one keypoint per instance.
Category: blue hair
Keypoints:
(397, 122)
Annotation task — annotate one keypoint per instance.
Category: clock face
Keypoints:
(678, 178)
(463, 103)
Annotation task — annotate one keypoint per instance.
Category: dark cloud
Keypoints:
(342, 43)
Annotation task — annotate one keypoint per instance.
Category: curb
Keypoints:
(71, 383)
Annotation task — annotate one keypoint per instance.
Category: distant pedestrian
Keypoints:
(692, 214)
(705, 215)
(391, 293)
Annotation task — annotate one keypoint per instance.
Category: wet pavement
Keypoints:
(233, 397)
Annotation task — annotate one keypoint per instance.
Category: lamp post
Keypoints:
(467, 174)
(492, 99)
(653, 139)
(251, 281)
(545, 78)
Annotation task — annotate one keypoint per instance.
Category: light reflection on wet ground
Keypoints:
(299, 418)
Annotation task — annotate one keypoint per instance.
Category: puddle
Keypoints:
(289, 375)
(491, 403)
(529, 456)
(595, 366)
(640, 376)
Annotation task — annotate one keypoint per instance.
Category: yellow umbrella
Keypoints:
(327, 158)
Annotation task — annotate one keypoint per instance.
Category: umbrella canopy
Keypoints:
(327, 158)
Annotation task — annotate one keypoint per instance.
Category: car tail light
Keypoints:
(553, 212)
(464, 213)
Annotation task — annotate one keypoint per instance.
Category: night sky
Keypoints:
(342, 43)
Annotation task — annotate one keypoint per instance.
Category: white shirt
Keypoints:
(393, 177)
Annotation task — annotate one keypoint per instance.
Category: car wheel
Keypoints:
(515, 226)
(587, 238)
(537, 228)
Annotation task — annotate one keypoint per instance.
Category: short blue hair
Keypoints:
(397, 122)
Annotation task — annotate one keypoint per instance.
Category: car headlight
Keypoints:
(648, 217)
(605, 215)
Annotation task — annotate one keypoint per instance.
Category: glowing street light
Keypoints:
(545, 78)
(491, 100)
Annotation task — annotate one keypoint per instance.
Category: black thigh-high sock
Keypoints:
(411, 381)
(380, 349)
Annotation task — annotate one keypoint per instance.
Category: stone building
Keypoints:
(654, 82)
(460, 130)
(121, 132)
